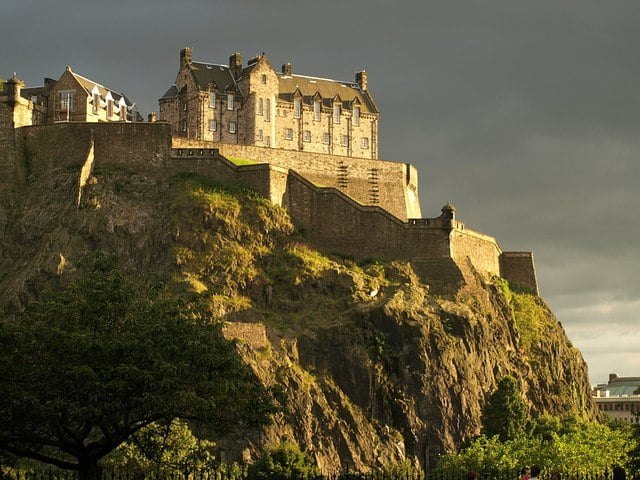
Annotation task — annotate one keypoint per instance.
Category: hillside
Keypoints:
(373, 367)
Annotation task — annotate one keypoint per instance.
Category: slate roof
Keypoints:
(209, 73)
(88, 85)
(327, 88)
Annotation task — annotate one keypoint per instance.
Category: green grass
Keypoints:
(241, 161)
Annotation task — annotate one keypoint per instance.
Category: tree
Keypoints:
(89, 365)
(284, 461)
(505, 413)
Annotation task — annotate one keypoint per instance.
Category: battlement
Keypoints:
(336, 217)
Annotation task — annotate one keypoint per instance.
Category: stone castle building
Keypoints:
(255, 105)
(71, 98)
(346, 199)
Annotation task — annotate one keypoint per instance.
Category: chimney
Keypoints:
(286, 69)
(153, 117)
(185, 57)
(361, 80)
(235, 65)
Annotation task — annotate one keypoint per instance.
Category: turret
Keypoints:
(13, 87)
(286, 69)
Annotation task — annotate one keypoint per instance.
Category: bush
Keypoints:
(284, 461)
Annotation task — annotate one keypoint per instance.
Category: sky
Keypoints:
(525, 115)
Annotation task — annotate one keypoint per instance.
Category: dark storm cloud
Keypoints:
(524, 114)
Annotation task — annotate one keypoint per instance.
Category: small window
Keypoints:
(316, 111)
(336, 112)
(66, 99)
(212, 100)
(232, 127)
(297, 108)
(267, 141)
(230, 101)
(123, 112)
(110, 109)
(213, 125)
(96, 103)
(365, 143)
(345, 140)
(264, 78)
(326, 139)
(307, 136)
(356, 116)
(184, 126)
(267, 106)
(260, 106)
(260, 135)
(288, 134)
(184, 106)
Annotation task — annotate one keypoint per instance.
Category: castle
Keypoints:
(346, 200)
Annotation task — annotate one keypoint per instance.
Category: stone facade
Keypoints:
(255, 105)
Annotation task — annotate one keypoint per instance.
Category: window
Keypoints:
(212, 100)
(326, 138)
(316, 111)
(365, 143)
(184, 106)
(123, 112)
(260, 106)
(184, 126)
(213, 126)
(336, 112)
(267, 141)
(96, 103)
(229, 101)
(66, 99)
(297, 108)
(288, 134)
(232, 127)
(260, 135)
(307, 136)
(264, 78)
(110, 109)
(345, 140)
(356, 116)
(268, 108)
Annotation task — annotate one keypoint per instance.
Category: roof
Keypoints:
(171, 93)
(327, 88)
(89, 84)
(206, 74)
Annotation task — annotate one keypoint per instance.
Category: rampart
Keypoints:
(441, 248)
(390, 185)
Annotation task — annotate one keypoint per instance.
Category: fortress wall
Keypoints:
(338, 224)
(8, 165)
(391, 185)
(519, 268)
(483, 251)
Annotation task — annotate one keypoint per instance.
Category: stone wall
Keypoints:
(390, 185)
(519, 268)
(482, 250)
(253, 334)
(7, 150)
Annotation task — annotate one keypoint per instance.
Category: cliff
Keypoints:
(373, 368)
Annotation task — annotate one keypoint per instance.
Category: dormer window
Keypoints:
(229, 101)
(96, 103)
(356, 116)
(297, 107)
(123, 112)
(212, 99)
(109, 108)
(317, 110)
(337, 110)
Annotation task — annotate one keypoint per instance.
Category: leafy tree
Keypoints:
(284, 461)
(505, 413)
(88, 366)
(160, 449)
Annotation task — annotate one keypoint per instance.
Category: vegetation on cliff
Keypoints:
(372, 367)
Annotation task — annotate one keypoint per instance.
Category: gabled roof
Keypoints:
(327, 88)
(88, 85)
(207, 74)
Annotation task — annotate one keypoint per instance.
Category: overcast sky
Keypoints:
(524, 114)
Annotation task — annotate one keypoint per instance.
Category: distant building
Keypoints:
(619, 398)
(255, 105)
(71, 98)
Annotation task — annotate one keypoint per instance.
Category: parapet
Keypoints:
(518, 268)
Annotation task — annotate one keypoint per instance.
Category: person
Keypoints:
(535, 471)
(525, 473)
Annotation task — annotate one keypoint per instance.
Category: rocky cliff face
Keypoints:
(373, 368)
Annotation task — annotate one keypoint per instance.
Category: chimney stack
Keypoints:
(153, 117)
(286, 69)
(185, 57)
(235, 65)
(361, 80)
